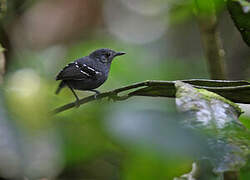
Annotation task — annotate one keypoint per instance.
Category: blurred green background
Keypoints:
(102, 140)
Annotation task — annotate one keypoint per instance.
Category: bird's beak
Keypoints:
(119, 54)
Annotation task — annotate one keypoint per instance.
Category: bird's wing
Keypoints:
(77, 71)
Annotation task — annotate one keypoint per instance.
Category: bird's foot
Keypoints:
(96, 94)
(77, 103)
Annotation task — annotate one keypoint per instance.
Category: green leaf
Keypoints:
(240, 13)
(211, 115)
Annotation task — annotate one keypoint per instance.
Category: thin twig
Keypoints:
(114, 94)
(111, 94)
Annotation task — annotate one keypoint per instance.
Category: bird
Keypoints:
(87, 73)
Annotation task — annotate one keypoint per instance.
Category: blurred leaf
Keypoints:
(159, 147)
(240, 13)
(228, 139)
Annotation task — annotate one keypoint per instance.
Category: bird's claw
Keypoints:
(95, 96)
(97, 93)
(77, 104)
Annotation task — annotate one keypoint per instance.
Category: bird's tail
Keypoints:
(61, 85)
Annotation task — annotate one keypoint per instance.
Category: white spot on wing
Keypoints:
(91, 69)
(84, 73)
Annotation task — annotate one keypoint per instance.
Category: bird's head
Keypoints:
(105, 55)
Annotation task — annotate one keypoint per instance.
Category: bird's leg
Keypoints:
(96, 93)
(77, 103)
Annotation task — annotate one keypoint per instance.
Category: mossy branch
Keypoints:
(236, 91)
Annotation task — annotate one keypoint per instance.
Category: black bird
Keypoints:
(87, 73)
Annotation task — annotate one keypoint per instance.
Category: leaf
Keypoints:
(142, 129)
(214, 117)
(240, 13)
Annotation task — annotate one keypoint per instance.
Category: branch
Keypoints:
(236, 91)
(110, 94)
(211, 40)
